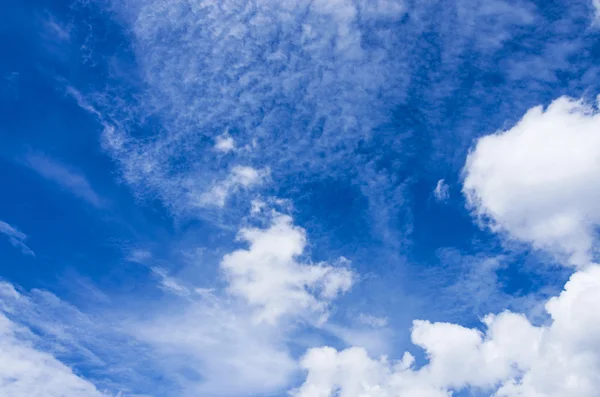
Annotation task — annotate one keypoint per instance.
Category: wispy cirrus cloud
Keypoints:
(64, 176)
(16, 237)
(441, 191)
(26, 371)
(28, 364)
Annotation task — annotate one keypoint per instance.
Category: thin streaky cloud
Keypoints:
(69, 179)
(15, 237)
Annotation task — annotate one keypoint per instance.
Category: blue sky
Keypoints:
(321, 198)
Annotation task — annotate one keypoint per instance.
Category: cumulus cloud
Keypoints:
(65, 177)
(441, 191)
(596, 5)
(270, 275)
(538, 180)
(512, 358)
(16, 238)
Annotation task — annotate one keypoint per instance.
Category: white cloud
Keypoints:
(193, 341)
(226, 73)
(212, 348)
(28, 372)
(441, 191)
(16, 238)
(538, 180)
(169, 284)
(55, 30)
(224, 143)
(372, 321)
(240, 177)
(596, 5)
(243, 333)
(271, 277)
(140, 256)
(67, 178)
(512, 358)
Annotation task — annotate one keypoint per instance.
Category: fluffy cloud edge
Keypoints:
(536, 181)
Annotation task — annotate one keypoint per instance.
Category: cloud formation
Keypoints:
(441, 191)
(65, 177)
(240, 177)
(28, 372)
(25, 369)
(534, 182)
(512, 358)
(270, 276)
(538, 182)
(16, 238)
(224, 143)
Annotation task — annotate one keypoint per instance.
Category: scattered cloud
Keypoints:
(16, 238)
(596, 5)
(224, 143)
(441, 191)
(537, 181)
(65, 177)
(195, 340)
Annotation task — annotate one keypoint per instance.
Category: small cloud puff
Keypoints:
(441, 191)
(224, 143)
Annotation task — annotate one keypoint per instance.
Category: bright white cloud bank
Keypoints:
(539, 180)
(512, 358)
